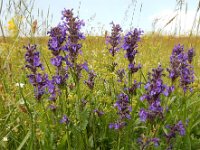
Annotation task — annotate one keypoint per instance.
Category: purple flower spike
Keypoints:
(74, 35)
(115, 39)
(57, 38)
(120, 74)
(130, 45)
(180, 67)
(190, 55)
(38, 80)
(154, 89)
(179, 127)
(90, 81)
(124, 110)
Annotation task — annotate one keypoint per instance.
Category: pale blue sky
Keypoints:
(119, 11)
(106, 11)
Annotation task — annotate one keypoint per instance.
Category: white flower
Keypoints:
(19, 85)
(5, 139)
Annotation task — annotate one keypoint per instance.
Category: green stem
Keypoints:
(119, 140)
(68, 140)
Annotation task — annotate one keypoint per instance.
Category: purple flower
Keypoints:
(32, 58)
(38, 80)
(130, 43)
(57, 61)
(64, 120)
(53, 91)
(146, 141)
(186, 76)
(85, 66)
(57, 38)
(120, 74)
(124, 110)
(98, 112)
(123, 106)
(74, 35)
(90, 81)
(180, 66)
(155, 141)
(133, 68)
(117, 126)
(53, 107)
(133, 88)
(175, 61)
(115, 39)
(190, 55)
(179, 127)
(154, 89)
(143, 115)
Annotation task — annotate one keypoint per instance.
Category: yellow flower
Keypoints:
(11, 25)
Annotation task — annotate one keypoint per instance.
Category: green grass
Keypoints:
(29, 124)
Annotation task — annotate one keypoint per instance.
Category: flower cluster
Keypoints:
(73, 26)
(38, 80)
(179, 127)
(133, 88)
(120, 74)
(115, 39)
(145, 141)
(90, 81)
(180, 66)
(154, 88)
(57, 38)
(124, 110)
(131, 40)
(190, 54)
(65, 37)
(55, 43)
(98, 112)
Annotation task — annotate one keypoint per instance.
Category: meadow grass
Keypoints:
(29, 124)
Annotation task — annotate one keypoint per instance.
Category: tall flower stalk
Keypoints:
(114, 44)
(37, 79)
(115, 39)
(180, 67)
(55, 44)
(154, 89)
(130, 45)
(74, 35)
(123, 110)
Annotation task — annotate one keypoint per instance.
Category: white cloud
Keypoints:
(169, 21)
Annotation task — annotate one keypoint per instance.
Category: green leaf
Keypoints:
(91, 141)
(24, 140)
(62, 144)
(83, 120)
(195, 124)
(194, 103)
(187, 142)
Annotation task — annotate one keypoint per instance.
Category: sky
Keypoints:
(98, 14)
